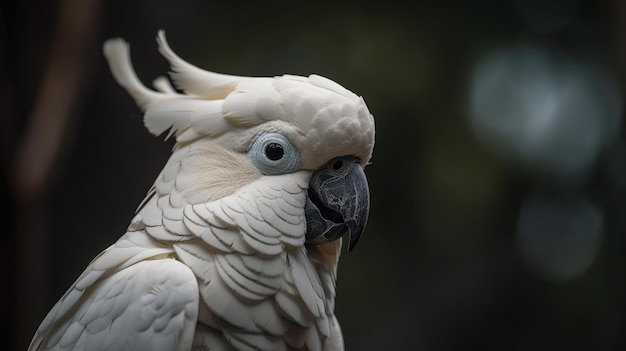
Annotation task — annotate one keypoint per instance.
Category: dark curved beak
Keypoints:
(338, 202)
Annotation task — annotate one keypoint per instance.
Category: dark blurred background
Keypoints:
(498, 179)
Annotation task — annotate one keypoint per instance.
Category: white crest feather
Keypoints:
(194, 80)
(322, 116)
(117, 53)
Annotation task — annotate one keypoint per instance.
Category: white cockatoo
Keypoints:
(236, 245)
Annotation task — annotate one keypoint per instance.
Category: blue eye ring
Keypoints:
(273, 153)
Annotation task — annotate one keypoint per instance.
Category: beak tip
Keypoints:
(351, 245)
(355, 235)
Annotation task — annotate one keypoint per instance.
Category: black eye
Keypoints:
(274, 151)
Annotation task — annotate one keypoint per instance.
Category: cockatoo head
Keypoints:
(239, 129)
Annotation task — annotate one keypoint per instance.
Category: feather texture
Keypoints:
(216, 255)
(196, 81)
(109, 287)
(317, 112)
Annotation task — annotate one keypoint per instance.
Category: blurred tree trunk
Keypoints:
(38, 158)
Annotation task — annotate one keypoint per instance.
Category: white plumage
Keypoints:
(233, 247)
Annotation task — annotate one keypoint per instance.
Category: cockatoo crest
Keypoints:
(316, 113)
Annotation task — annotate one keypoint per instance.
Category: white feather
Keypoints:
(114, 301)
(310, 291)
(163, 85)
(291, 306)
(169, 113)
(194, 80)
(210, 120)
(243, 286)
(199, 259)
(117, 52)
(203, 230)
(331, 85)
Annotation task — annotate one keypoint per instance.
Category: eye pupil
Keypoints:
(274, 151)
